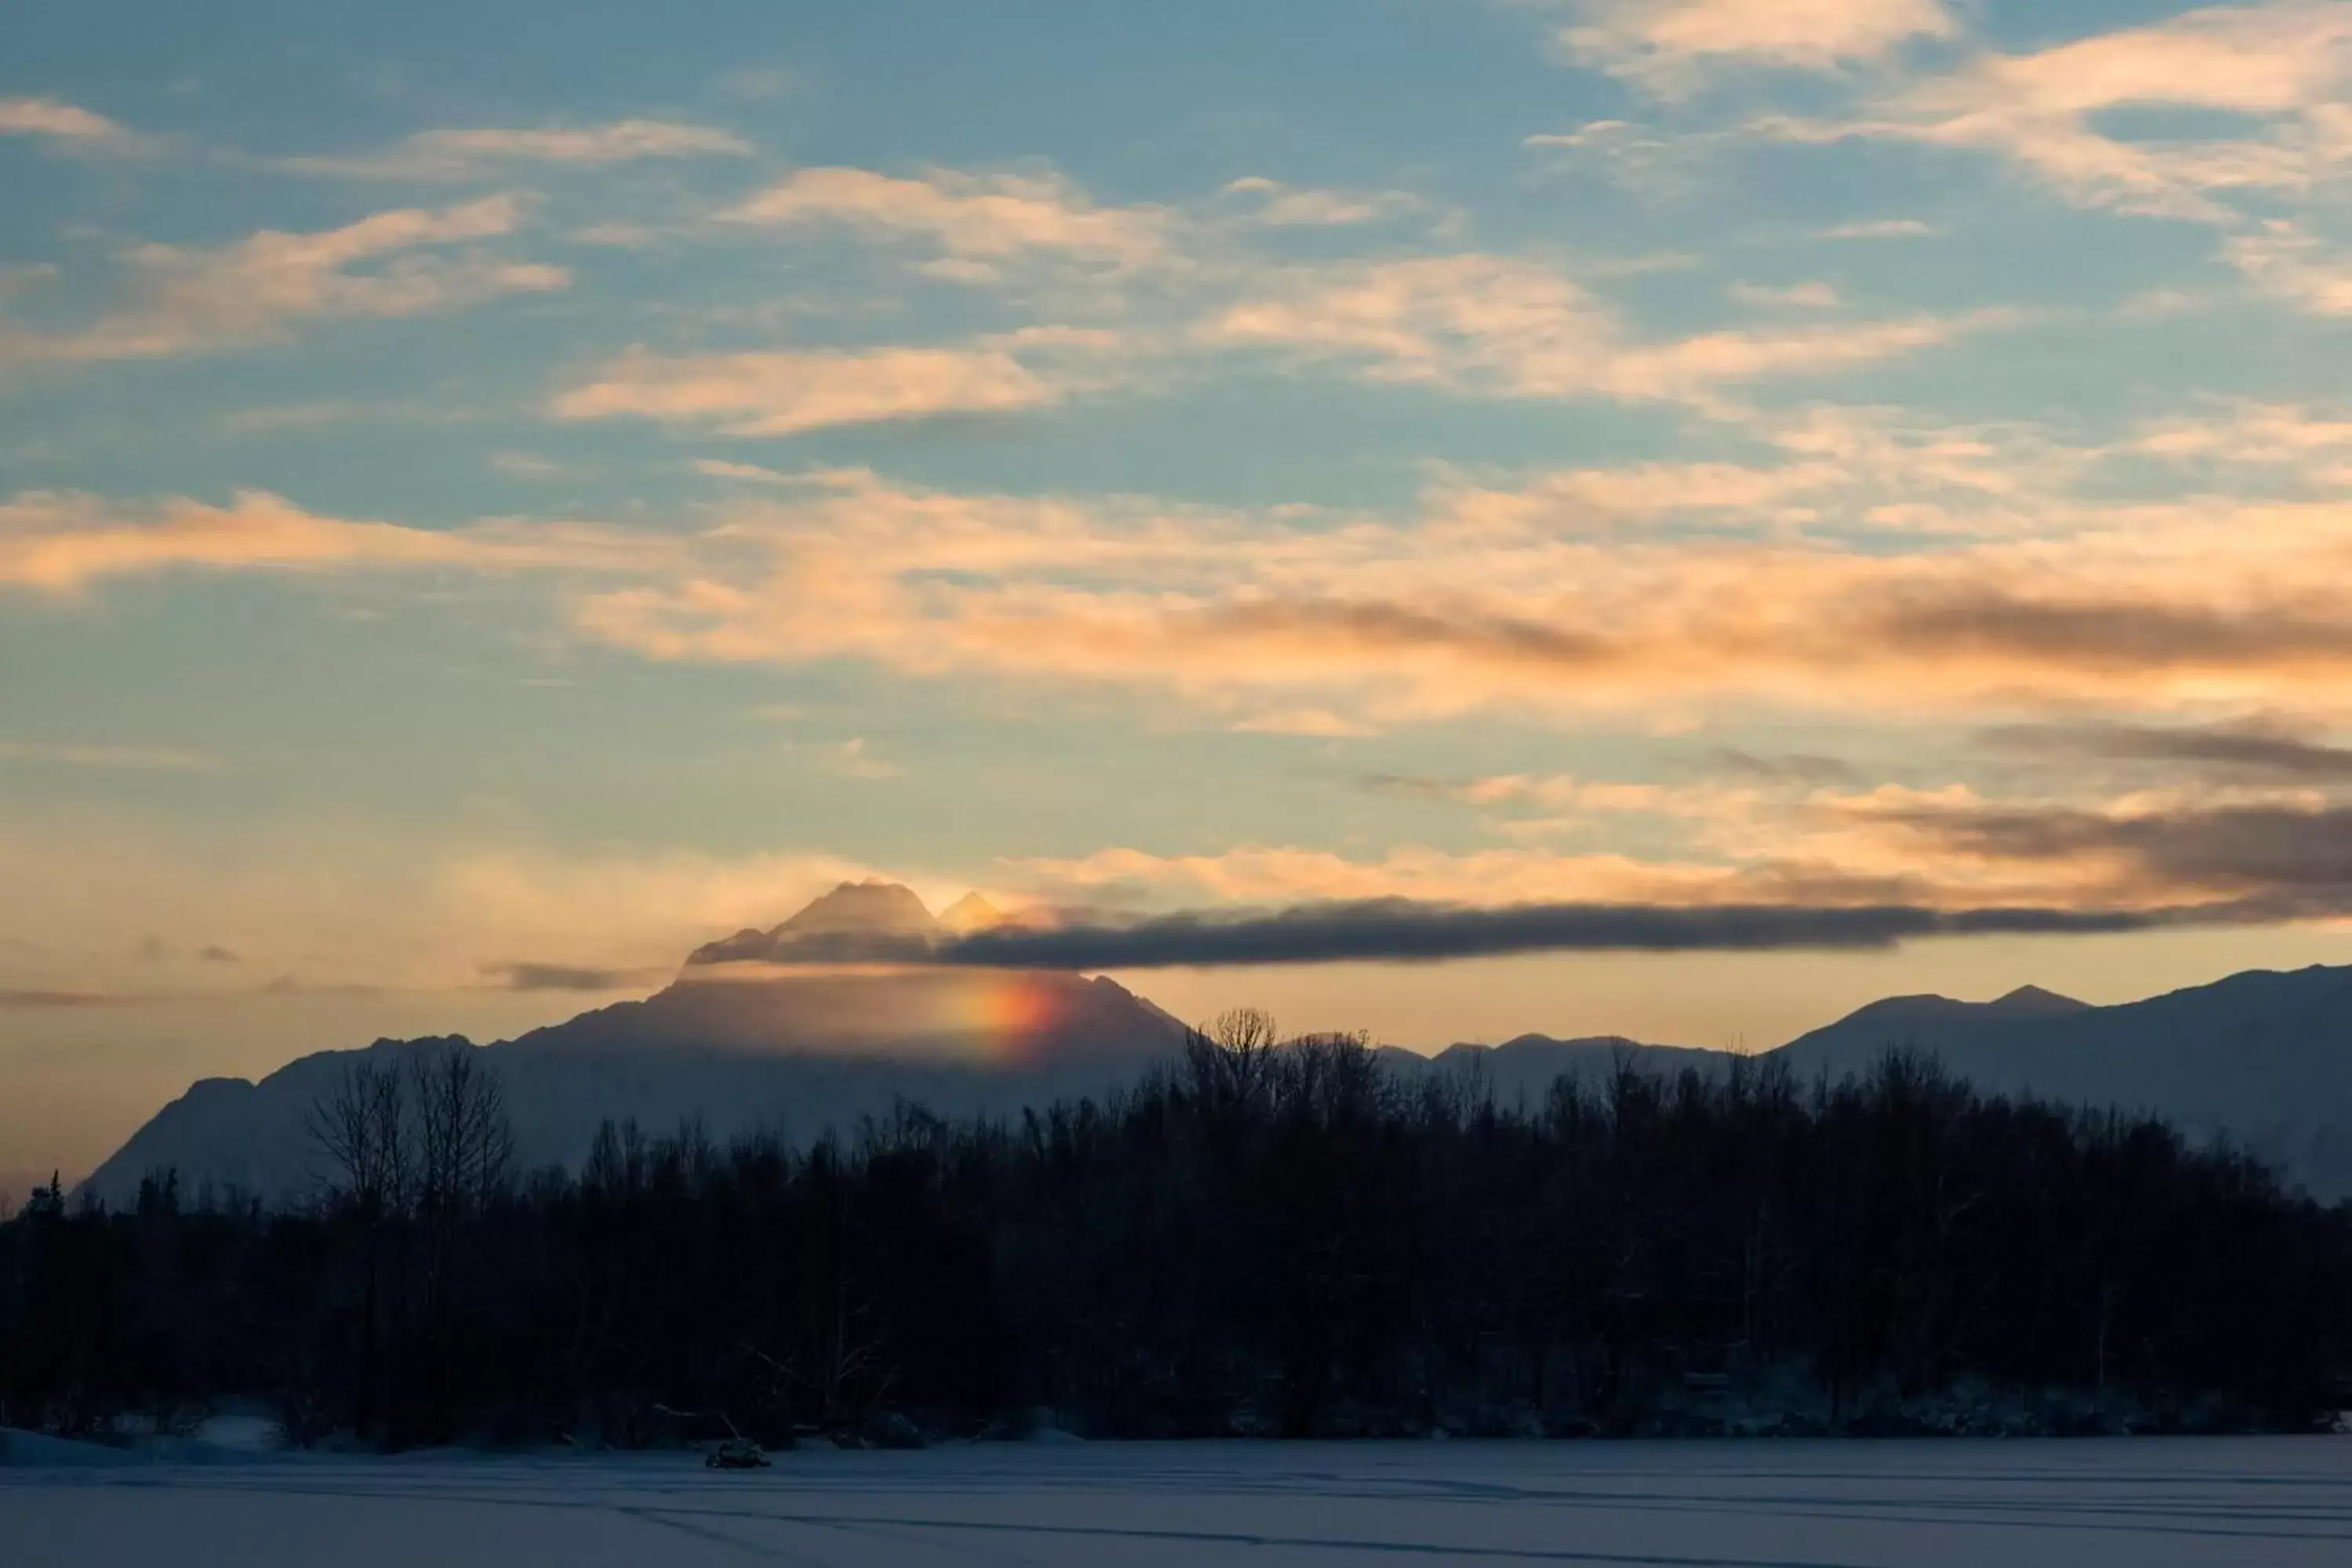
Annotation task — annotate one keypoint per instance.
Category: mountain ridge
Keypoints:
(2263, 1057)
(739, 1047)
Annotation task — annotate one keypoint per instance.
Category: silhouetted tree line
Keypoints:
(1263, 1238)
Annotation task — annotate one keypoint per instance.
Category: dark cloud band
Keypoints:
(1403, 930)
(2233, 748)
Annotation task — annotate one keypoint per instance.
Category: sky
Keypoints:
(1661, 517)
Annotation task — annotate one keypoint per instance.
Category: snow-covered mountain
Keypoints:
(2264, 1058)
(753, 1035)
(736, 1041)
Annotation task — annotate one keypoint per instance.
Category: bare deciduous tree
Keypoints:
(1229, 1059)
(465, 1141)
(359, 1124)
(360, 1127)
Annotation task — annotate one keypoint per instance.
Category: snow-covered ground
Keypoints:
(2147, 1503)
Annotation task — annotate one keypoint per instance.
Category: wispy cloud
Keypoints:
(853, 759)
(744, 473)
(516, 975)
(15, 998)
(530, 466)
(975, 217)
(62, 543)
(1811, 296)
(1669, 47)
(2283, 65)
(1507, 326)
(318, 909)
(189, 300)
(1272, 204)
(1986, 585)
(2285, 261)
(70, 127)
(454, 154)
(2257, 751)
(782, 393)
(1494, 602)
(1881, 228)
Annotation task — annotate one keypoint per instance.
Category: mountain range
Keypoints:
(741, 1041)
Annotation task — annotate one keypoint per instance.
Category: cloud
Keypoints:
(1283, 874)
(1516, 323)
(530, 466)
(454, 154)
(2237, 750)
(1813, 296)
(1579, 799)
(2283, 66)
(1881, 228)
(136, 759)
(779, 393)
(1982, 586)
(970, 217)
(191, 300)
(2001, 594)
(336, 902)
(1506, 326)
(1668, 47)
(1400, 930)
(1274, 204)
(1784, 768)
(57, 999)
(2282, 860)
(2314, 444)
(2284, 260)
(69, 127)
(2093, 630)
(519, 975)
(1316, 723)
(62, 542)
(853, 759)
(745, 473)
(1394, 931)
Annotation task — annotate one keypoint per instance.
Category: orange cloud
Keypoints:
(2286, 62)
(60, 543)
(2283, 259)
(778, 393)
(1511, 327)
(1667, 46)
(1988, 589)
(69, 128)
(447, 153)
(1499, 605)
(967, 215)
(190, 301)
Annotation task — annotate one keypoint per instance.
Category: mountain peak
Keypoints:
(867, 909)
(2034, 1000)
(854, 915)
(971, 913)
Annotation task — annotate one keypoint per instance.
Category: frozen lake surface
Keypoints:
(2018, 1504)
